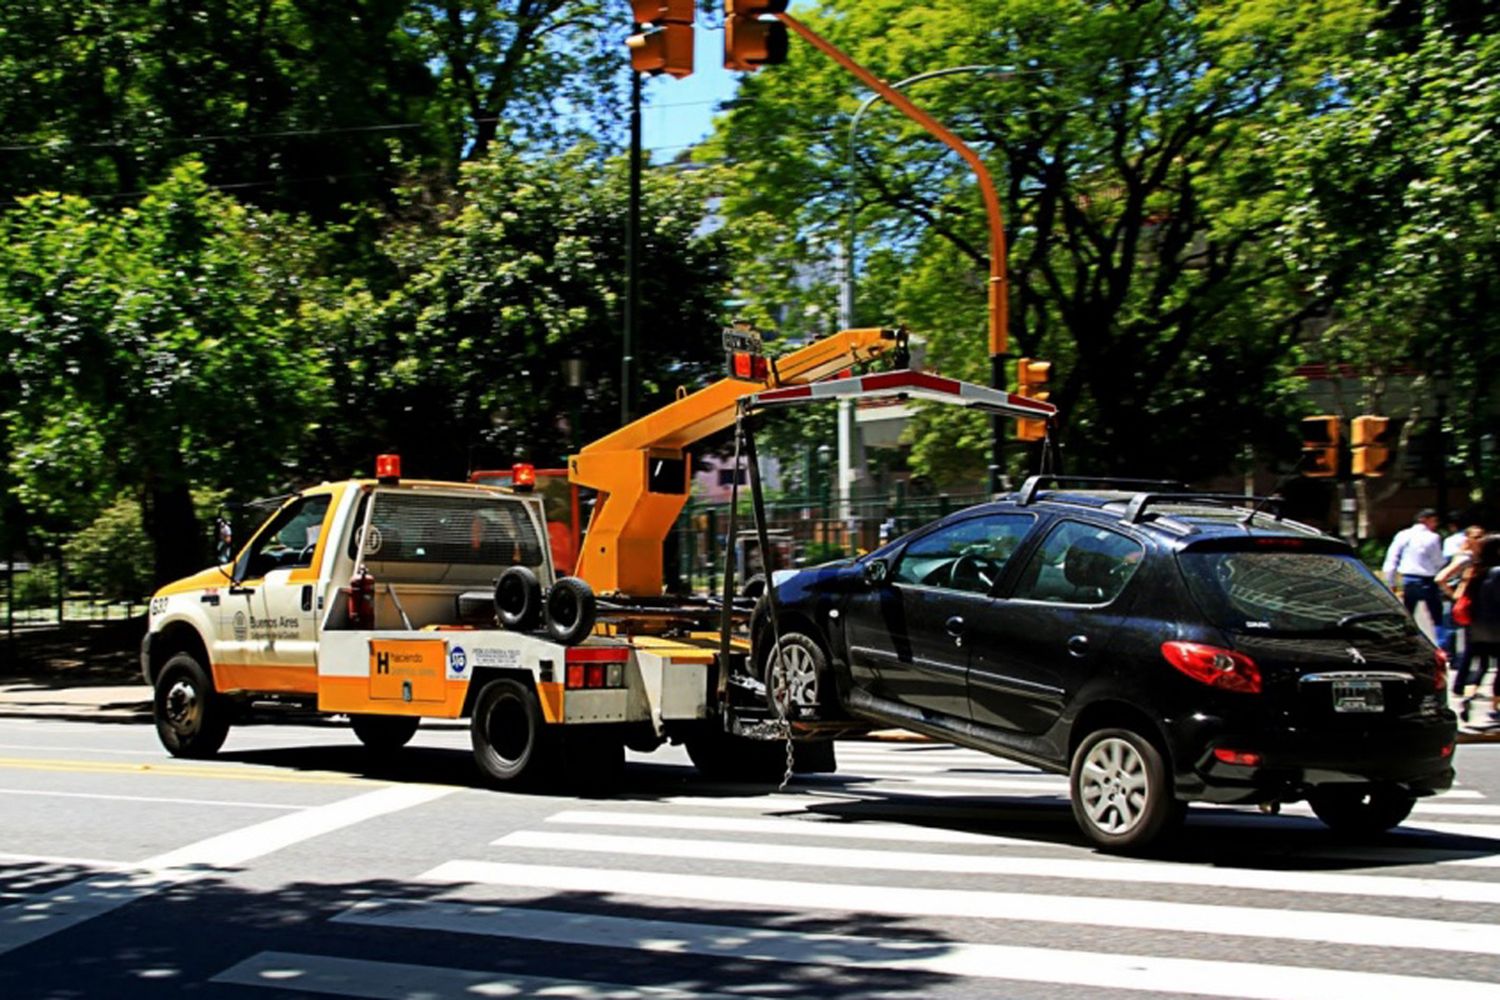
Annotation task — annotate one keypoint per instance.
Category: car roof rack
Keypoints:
(1135, 510)
(1033, 484)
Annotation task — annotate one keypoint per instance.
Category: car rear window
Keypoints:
(439, 529)
(1256, 590)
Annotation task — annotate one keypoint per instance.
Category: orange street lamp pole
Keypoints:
(999, 293)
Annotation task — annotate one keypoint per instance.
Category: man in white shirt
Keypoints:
(1414, 558)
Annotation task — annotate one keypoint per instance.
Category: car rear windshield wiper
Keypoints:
(1369, 616)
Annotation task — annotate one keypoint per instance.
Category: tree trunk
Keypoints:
(173, 529)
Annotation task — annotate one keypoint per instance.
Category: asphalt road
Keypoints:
(297, 865)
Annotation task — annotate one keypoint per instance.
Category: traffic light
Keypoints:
(1032, 376)
(665, 42)
(1370, 439)
(1321, 436)
(749, 42)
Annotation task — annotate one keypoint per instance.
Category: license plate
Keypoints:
(1358, 696)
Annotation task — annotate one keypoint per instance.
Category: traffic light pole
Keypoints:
(632, 254)
(999, 296)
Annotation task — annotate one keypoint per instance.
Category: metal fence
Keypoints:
(802, 532)
(53, 591)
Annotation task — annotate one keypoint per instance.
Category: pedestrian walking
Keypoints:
(1481, 588)
(1412, 564)
(1449, 580)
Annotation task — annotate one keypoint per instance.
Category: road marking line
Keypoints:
(770, 826)
(954, 958)
(350, 977)
(97, 864)
(231, 772)
(33, 919)
(904, 782)
(1135, 872)
(1097, 911)
(150, 798)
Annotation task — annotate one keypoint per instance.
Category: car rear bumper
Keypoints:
(1413, 754)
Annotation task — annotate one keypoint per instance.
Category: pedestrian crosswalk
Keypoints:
(921, 870)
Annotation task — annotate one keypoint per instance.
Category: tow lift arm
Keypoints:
(642, 470)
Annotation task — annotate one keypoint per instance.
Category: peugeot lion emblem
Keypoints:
(1356, 655)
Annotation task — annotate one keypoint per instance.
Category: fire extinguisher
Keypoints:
(362, 599)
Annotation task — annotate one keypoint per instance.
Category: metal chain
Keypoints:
(783, 725)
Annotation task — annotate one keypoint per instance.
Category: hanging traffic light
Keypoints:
(1032, 376)
(749, 42)
(665, 42)
(1370, 439)
(1321, 436)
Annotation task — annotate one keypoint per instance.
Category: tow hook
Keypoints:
(1271, 808)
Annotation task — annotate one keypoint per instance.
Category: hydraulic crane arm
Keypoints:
(642, 470)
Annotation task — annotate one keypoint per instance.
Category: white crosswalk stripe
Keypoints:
(952, 869)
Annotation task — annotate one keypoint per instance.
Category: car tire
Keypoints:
(384, 732)
(518, 599)
(1360, 810)
(1122, 791)
(192, 719)
(511, 743)
(571, 611)
(722, 756)
(799, 664)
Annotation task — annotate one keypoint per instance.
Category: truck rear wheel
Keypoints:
(511, 744)
(384, 732)
(191, 718)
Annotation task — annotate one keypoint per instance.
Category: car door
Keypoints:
(907, 637)
(1033, 649)
(271, 611)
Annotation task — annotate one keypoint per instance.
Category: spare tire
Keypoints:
(570, 611)
(518, 599)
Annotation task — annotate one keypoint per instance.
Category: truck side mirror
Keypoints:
(876, 572)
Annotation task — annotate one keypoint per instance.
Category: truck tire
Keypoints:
(570, 611)
(511, 743)
(518, 599)
(1121, 789)
(384, 732)
(191, 717)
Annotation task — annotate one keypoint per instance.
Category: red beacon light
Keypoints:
(388, 469)
(523, 477)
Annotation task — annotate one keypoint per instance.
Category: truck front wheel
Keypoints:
(511, 745)
(191, 718)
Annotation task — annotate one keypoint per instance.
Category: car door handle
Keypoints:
(955, 626)
(307, 597)
(1078, 645)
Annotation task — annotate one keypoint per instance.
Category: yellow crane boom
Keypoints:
(642, 471)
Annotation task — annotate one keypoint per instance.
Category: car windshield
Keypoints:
(1291, 592)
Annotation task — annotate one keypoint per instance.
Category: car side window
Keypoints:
(968, 556)
(1079, 564)
(290, 539)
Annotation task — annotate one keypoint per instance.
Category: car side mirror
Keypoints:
(876, 572)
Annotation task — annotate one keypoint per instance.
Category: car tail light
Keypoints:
(1220, 668)
(596, 667)
(1246, 758)
(1440, 671)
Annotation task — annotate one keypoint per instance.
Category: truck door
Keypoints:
(271, 612)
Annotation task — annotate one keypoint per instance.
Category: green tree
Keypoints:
(462, 364)
(1122, 136)
(156, 349)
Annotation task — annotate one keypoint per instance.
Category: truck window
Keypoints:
(288, 540)
(485, 533)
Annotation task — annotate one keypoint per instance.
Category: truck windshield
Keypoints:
(1291, 592)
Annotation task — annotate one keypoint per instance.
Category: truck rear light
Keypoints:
(751, 367)
(595, 667)
(1245, 758)
(1216, 667)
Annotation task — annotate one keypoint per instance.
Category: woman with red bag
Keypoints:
(1478, 597)
(1450, 582)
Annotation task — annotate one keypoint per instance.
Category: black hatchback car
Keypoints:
(1158, 647)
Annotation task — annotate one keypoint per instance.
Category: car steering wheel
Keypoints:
(971, 572)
